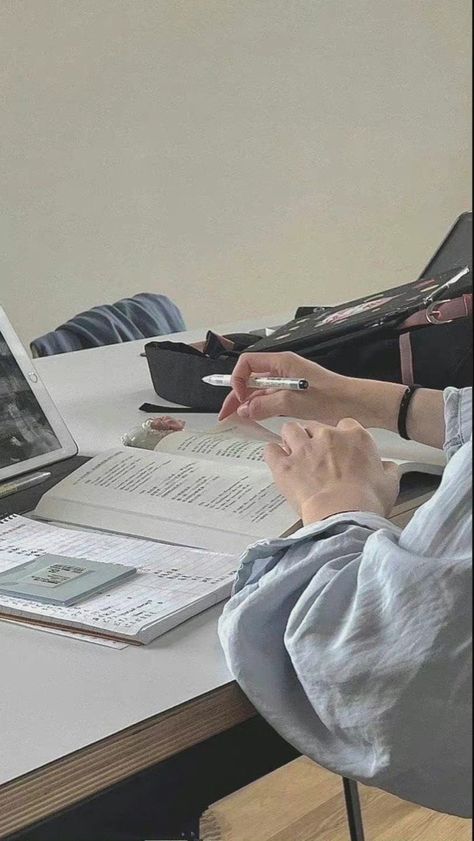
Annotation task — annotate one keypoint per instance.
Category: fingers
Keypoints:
(359, 434)
(274, 456)
(229, 406)
(266, 364)
(248, 364)
(294, 436)
(261, 404)
(349, 424)
(258, 363)
(264, 404)
(313, 427)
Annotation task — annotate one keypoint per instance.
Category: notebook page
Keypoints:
(169, 578)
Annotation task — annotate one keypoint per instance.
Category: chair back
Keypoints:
(141, 317)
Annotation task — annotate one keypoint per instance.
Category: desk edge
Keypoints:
(63, 783)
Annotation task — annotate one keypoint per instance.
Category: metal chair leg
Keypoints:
(353, 811)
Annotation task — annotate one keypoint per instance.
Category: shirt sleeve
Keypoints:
(458, 418)
(352, 638)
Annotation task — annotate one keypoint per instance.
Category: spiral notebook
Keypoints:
(171, 584)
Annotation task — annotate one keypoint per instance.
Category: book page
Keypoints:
(170, 579)
(158, 494)
(409, 455)
(240, 442)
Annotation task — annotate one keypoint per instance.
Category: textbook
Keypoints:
(210, 490)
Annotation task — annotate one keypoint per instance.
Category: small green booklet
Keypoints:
(57, 579)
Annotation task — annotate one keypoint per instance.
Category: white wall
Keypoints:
(237, 155)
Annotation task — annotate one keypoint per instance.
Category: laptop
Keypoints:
(33, 435)
(455, 249)
(323, 327)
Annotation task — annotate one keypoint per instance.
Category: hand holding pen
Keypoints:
(328, 399)
(265, 385)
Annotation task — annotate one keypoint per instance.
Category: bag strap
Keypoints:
(406, 359)
(440, 312)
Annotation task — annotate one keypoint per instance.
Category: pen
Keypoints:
(20, 484)
(285, 383)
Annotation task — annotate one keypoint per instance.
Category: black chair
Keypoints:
(353, 810)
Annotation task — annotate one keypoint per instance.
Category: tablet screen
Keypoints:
(25, 432)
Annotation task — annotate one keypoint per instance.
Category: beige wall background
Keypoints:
(238, 155)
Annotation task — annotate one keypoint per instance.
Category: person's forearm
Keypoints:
(377, 404)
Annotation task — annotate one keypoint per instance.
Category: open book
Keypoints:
(211, 490)
(204, 489)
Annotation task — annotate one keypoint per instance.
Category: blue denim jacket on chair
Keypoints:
(140, 317)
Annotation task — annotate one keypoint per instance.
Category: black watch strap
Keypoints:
(403, 411)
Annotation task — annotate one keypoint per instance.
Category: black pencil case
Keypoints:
(177, 369)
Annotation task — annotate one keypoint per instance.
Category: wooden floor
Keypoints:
(302, 802)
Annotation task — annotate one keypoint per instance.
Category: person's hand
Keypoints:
(324, 470)
(329, 396)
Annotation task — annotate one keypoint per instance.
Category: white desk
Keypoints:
(76, 717)
(98, 391)
(58, 695)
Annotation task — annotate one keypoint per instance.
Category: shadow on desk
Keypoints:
(167, 800)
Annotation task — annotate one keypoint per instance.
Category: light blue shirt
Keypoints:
(353, 638)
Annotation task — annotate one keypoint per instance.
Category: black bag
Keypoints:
(177, 370)
(441, 355)
(427, 344)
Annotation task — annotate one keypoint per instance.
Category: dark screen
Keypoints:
(24, 429)
(455, 250)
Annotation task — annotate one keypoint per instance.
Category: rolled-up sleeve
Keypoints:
(458, 418)
(353, 639)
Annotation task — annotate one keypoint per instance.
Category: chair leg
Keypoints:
(353, 811)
